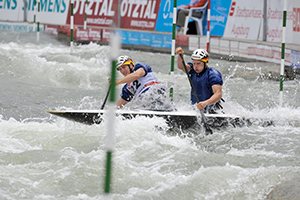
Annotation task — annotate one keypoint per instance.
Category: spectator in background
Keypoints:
(183, 11)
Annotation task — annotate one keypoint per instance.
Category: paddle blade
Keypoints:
(208, 130)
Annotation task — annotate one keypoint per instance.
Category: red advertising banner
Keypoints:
(139, 14)
(134, 14)
(102, 13)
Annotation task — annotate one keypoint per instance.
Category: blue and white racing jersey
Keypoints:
(140, 85)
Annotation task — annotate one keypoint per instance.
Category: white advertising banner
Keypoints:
(12, 10)
(275, 17)
(51, 11)
(245, 19)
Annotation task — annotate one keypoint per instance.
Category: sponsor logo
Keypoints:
(106, 34)
(244, 12)
(8, 5)
(51, 29)
(138, 9)
(94, 33)
(52, 6)
(217, 18)
(240, 31)
(248, 13)
(100, 21)
(143, 24)
(167, 9)
(95, 7)
(232, 8)
(82, 33)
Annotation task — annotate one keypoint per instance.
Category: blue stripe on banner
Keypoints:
(161, 41)
(147, 39)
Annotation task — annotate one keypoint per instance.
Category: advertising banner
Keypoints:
(51, 11)
(140, 14)
(102, 13)
(218, 16)
(12, 10)
(275, 16)
(245, 19)
(127, 14)
(164, 22)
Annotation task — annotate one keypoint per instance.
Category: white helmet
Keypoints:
(123, 60)
(200, 54)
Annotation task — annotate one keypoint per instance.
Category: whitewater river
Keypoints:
(45, 157)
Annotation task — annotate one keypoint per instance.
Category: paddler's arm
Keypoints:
(121, 103)
(217, 90)
(132, 77)
(179, 50)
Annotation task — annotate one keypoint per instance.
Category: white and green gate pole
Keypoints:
(173, 47)
(110, 123)
(85, 14)
(34, 15)
(71, 26)
(38, 20)
(282, 52)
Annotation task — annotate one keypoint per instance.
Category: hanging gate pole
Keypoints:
(208, 27)
(282, 52)
(173, 46)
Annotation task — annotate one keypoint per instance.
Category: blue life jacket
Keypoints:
(203, 82)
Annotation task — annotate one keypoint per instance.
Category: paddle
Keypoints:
(208, 130)
(104, 102)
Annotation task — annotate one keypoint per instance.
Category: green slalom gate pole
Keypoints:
(71, 26)
(38, 23)
(34, 16)
(282, 52)
(110, 126)
(173, 47)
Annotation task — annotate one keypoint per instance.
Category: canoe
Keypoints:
(177, 119)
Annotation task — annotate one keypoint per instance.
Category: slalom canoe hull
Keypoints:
(182, 120)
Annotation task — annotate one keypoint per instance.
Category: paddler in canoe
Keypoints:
(207, 81)
(141, 86)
